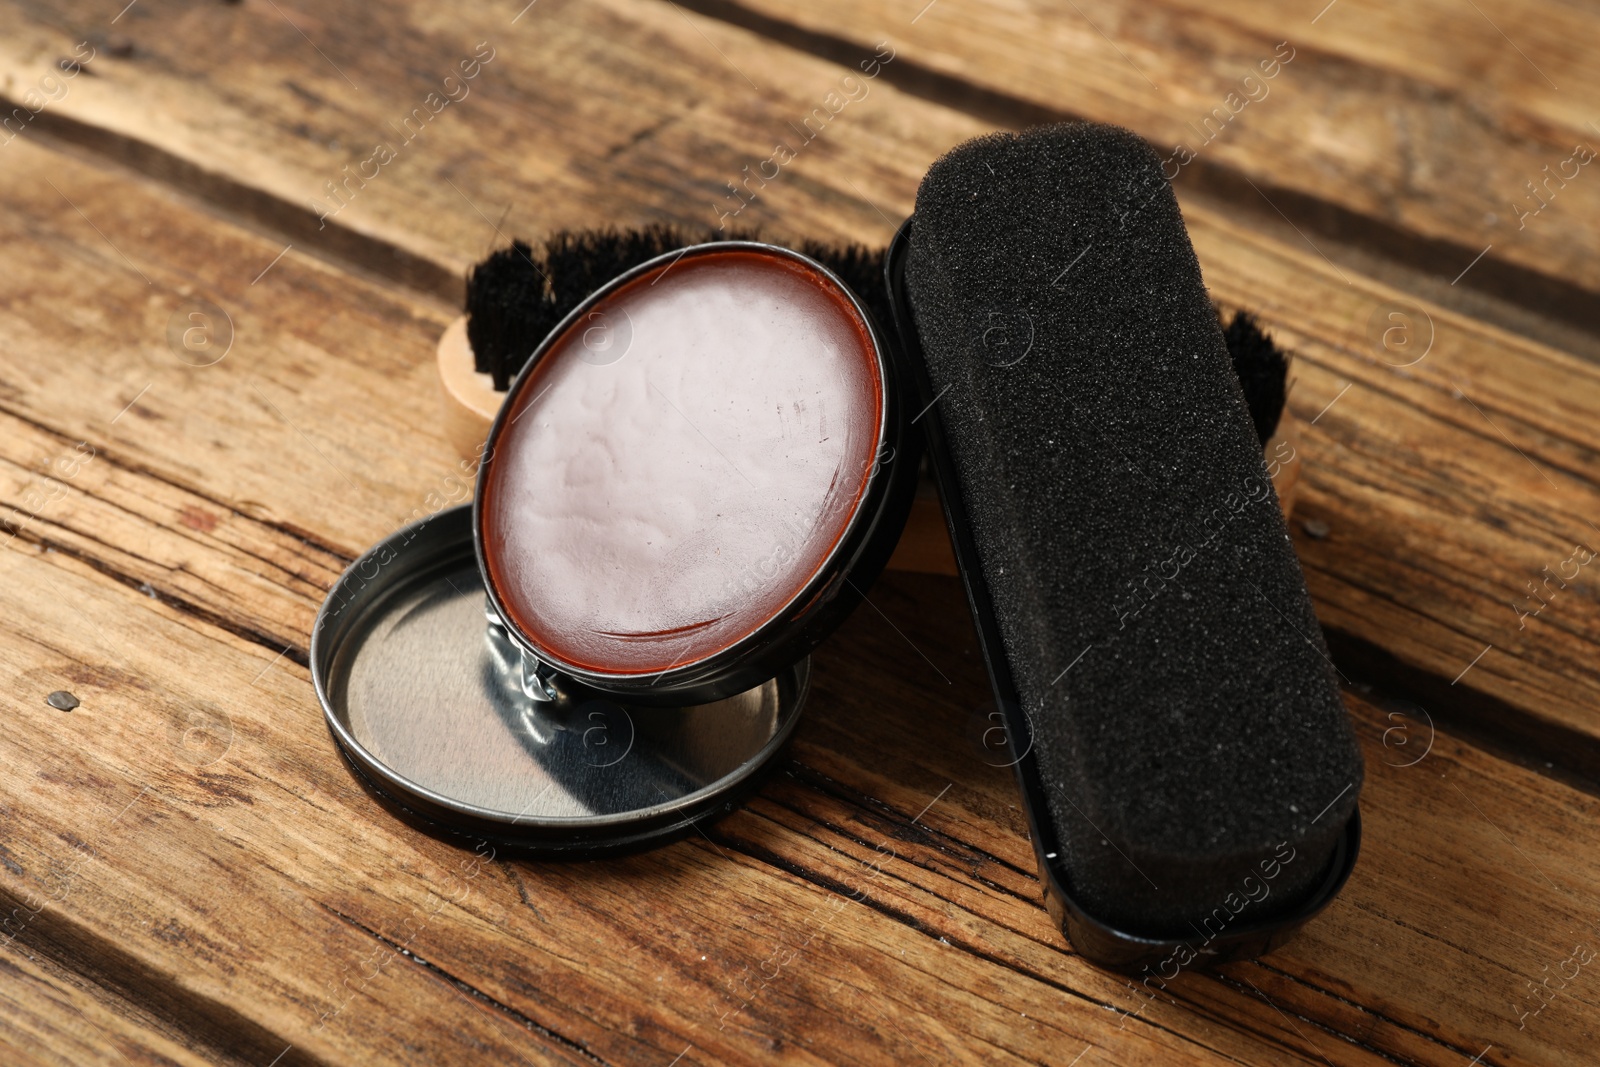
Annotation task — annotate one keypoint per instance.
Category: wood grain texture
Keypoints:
(262, 122)
(1415, 129)
(215, 887)
(52, 1016)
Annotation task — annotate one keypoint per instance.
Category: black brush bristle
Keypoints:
(516, 296)
(1263, 371)
(507, 311)
(579, 262)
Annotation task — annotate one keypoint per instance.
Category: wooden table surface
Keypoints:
(188, 873)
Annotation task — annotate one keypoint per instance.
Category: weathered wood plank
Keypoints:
(74, 497)
(262, 112)
(51, 1018)
(267, 431)
(1414, 130)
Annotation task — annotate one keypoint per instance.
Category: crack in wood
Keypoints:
(224, 1034)
(311, 540)
(467, 989)
(232, 200)
(298, 654)
(822, 881)
(1480, 718)
(974, 879)
(1239, 987)
(1365, 1010)
(830, 786)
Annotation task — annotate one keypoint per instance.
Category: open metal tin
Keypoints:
(1102, 943)
(813, 611)
(463, 725)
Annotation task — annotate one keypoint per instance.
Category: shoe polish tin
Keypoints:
(470, 710)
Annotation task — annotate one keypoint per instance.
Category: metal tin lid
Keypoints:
(425, 697)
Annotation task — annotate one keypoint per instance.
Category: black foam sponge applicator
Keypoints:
(1191, 765)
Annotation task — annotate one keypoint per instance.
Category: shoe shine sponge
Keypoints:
(1189, 767)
